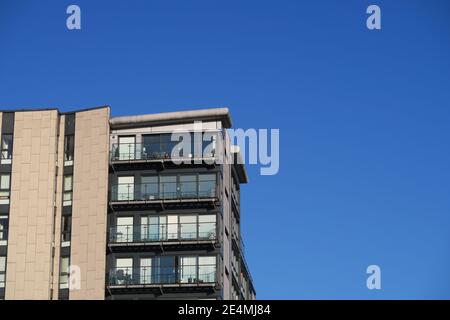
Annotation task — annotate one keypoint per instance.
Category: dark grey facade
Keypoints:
(173, 229)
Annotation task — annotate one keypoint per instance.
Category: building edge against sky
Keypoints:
(103, 195)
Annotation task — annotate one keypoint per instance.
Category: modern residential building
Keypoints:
(93, 207)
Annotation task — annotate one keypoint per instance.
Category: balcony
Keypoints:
(188, 277)
(167, 235)
(6, 157)
(160, 194)
(156, 153)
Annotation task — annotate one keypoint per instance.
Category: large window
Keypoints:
(188, 227)
(168, 187)
(149, 187)
(3, 230)
(172, 227)
(154, 228)
(164, 270)
(123, 273)
(188, 269)
(157, 146)
(163, 228)
(160, 146)
(69, 144)
(125, 188)
(165, 187)
(207, 185)
(124, 229)
(188, 186)
(2, 271)
(197, 269)
(146, 271)
(68, 190)
(207, 269)
(127, 148)
(4, 188)
(6, 154)
(207, 226)
(66, 227)
(64, 273)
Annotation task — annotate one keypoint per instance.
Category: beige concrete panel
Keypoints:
(31, 205)
(89, 209)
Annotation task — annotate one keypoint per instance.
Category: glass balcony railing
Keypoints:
(186, 274)
(122, 234)
(160, 191)
(149, 151)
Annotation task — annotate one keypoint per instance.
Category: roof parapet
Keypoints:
(239, 164)
(214, 114)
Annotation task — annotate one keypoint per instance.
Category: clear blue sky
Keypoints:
(363, 118)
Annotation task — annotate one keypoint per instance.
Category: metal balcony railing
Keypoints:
(122, 234)
(186, 274)
(149, 151)
(160, 191)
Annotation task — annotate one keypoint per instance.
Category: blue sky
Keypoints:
(363, 118)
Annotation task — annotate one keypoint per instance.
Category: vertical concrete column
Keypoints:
(58, 208)
(89, 209)
(29, 256)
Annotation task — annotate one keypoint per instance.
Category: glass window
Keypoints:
(188, 186)
(172, 227)
(207, 226)
(66, 227)
(151, 147)
(207, 185)
(3, 230)
(7, 141)
(188, 227)
(207, 269)
(146, 271)
(69, 143)
(4, 181)
(164, 270)
(127, 148)
(124, 229)
(68, 185)
(154, 228)
(64, 273)
(145, 228)
(168, 187)
(125, 188)
(2, 271)
(123, 273)
(149, 187)
(4, 188)
(166, 145)
(157, 146)
(188, 269)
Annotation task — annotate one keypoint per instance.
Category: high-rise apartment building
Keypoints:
(93, 207)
